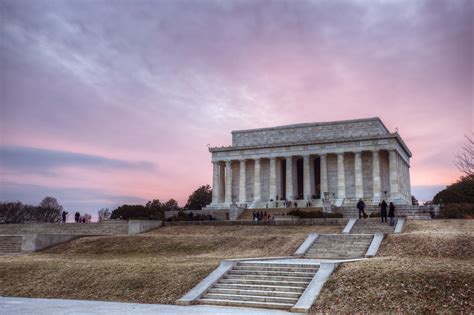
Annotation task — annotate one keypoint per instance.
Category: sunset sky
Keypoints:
(112, 102)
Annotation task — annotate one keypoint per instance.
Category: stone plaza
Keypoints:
(312, 163)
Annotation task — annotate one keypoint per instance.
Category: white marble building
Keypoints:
(347, 160)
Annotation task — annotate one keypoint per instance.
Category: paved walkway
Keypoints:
(10, 305)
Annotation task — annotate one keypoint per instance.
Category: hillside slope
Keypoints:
(156, 267)
(430, 268)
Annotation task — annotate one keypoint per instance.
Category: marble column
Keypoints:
(228, 182)
(341, 180)
(215, 182)
(257, 183)
(392, 162)
(242, 186)
(273, 177)
(324, 174)
(359, 187)
(289, 178)
(221, 182)
(306, 178)
(377, 183)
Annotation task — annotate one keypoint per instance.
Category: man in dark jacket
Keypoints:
(361, 206)
(383, 211)
(391, 213)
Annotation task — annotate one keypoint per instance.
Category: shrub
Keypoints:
(457, 211)
(313, 214)
(182, 216)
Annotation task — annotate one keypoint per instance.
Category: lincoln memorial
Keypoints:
(339, 161)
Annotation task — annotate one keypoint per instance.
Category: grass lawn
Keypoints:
(428, 268)
(156, 267)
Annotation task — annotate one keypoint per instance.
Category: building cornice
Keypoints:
(377, 137)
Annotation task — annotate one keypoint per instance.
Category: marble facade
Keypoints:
(342, 161)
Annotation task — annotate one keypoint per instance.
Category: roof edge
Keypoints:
(313, 124)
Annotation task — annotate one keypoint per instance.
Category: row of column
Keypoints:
(219, 180)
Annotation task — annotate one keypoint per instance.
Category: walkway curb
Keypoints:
(399, 226)
(349, 226)
(306, 244)
(314, 288)
(196, 292)
(374, 246)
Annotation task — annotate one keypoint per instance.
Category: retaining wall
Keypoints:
(10, 243)
(408, 211)
(337, 222)
(103, 228)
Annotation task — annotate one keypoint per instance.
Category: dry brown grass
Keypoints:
(156, 267)
(428, 269)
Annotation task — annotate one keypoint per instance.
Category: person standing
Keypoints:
(77, 216)
(383, 211)
(361, 207)
(64, 216)
(391, 213)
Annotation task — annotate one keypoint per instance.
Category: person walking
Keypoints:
(391, 213)
(383, 211)
(361, 207)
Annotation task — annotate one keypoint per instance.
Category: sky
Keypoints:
(112, 102)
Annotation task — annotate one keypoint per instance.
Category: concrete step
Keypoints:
(340, 246)
(251, 298)
(244, 263)
(271, 273)
(259, 287)
(245, 303)
(312, 269)
(301, 284)
(268, 278)
(284, 294)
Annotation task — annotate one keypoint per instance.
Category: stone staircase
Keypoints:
(10, 244)
(267, 285)
(372, 226)
(339, 246)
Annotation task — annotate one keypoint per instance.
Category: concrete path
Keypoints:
(11, 305)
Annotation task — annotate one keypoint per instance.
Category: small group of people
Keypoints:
(261, 216)
(78, 218)
(383, 211)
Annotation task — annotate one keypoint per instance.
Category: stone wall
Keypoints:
(104, 228)
(338, 222)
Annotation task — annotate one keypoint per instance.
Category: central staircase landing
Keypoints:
(372, 226)
(340, 246)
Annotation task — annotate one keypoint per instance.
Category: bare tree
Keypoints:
(87, 218)
(49, 210)
(464, 161)
(104, 214)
